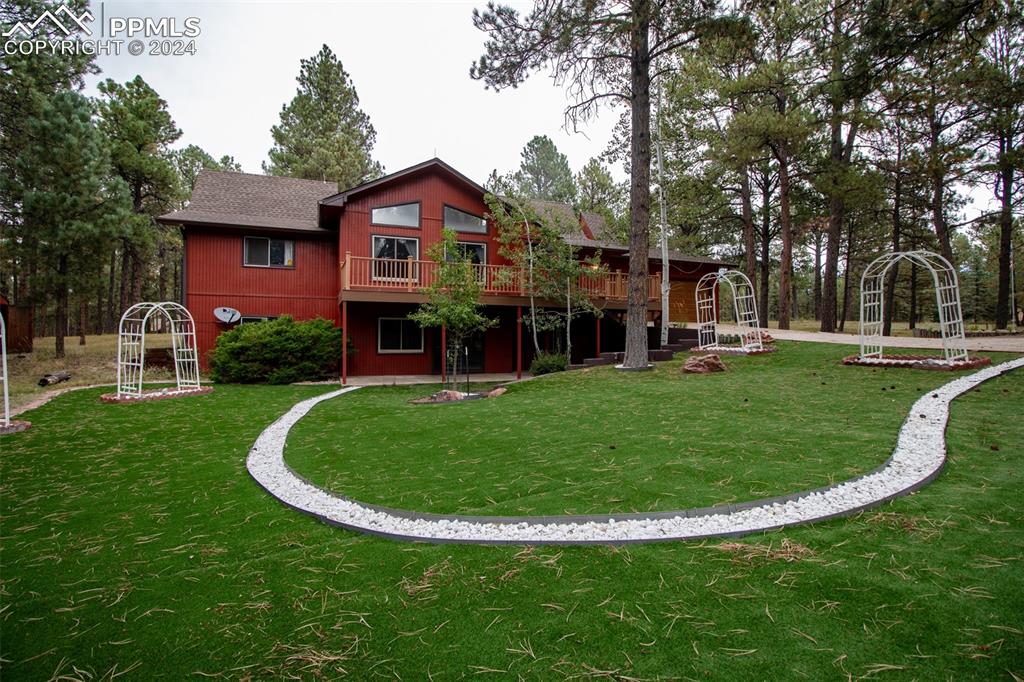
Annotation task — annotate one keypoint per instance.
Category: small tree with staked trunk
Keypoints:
(453, 299)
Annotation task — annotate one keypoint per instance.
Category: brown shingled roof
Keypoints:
(653, 254)
(572, 232)
(229, 198)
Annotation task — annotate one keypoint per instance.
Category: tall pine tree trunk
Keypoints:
(786, 260)
(640, 187)
(817, 274)
(912, 324)
(937, 177)
(1005, 233)
(137, 273)
(83, 319)
(766, 250)
(897, 206)
(126, 277)
(111, 320)
(749, 240)
(61, 319)
(835, 230)
(847, 276)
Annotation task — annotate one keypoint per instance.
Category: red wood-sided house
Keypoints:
(270, 246)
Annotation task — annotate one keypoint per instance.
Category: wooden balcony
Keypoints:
(364, 278)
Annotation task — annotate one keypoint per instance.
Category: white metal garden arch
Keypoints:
(131, 346)
(744, 305)
(3, 368)
(947, 299)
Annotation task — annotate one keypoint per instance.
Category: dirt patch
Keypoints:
(787, 551)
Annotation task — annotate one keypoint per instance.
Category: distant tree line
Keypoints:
(82, 180)
(800, 139)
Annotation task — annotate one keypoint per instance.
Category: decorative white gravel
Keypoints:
(919, 455)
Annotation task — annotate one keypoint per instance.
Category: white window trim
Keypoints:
(373, 251)
(404, 351)
(245, 253)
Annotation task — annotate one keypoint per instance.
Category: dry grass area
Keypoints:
(93, 363)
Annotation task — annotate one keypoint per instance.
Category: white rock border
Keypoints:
(917, 459)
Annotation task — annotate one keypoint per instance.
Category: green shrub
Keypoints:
(278, 351)
(546, 363)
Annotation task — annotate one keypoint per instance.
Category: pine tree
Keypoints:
(192, 159)
(67, 201)
(998, 88)
(323, 134)
(597, 191)
(139, 130)
(602, 52)
(544, 172)
(27, 82)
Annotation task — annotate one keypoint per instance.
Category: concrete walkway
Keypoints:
(1007, 344)
(407, 379)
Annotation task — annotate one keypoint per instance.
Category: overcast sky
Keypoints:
(409, 62)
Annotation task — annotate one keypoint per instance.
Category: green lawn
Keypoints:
(132, 540)
(603, 441)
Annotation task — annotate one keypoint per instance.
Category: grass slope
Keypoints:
(132, 541)
(600, 440)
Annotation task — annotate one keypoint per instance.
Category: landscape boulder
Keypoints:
(448, 396)
(500, 390)
(703, 364)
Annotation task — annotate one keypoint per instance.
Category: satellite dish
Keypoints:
(227, 315)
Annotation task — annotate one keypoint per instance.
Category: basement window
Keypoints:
(399, 335)
(261, 252)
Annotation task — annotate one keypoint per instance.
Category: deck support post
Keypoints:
(597, 324)
(519, 342)
(444, 355)
(344, 342)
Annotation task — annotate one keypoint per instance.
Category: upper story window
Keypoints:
(402, 215)
(460, 221)
(269, 253)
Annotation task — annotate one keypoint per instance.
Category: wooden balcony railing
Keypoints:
(409, 275)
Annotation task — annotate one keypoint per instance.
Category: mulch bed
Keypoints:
(155, 394)
(16, 426)
(934, 362)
